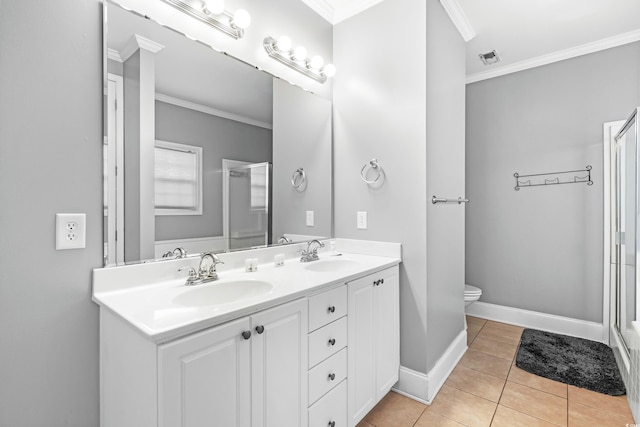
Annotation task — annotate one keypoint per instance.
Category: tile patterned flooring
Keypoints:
(487, 389)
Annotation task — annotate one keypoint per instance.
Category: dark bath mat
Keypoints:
(574, 361)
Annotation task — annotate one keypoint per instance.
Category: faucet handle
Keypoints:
(192, 275)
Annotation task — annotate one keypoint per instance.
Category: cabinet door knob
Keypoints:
(260, 329)
(246, 335)
(331, 309)
(332, 424)
(332, 377)
(332, 341)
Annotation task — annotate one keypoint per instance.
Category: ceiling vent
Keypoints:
(489, 58)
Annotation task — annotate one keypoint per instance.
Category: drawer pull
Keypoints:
(246, 335)
(332, 341)
(332, 424)
(332, 377)
(331, 309)
(260, 329)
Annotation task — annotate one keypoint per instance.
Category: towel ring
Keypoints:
(301, 180)
(373, 164)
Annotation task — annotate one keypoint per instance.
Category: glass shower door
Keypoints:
(249, 205)
(626, 228)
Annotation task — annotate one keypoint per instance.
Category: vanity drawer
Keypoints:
(331, 410)
(327, 375)
(326, 307)
(327, 341)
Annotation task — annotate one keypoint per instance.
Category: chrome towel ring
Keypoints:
(298, 178)
(373, 164)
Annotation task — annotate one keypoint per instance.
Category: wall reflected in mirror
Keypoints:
(199, 148)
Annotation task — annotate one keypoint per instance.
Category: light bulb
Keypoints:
(215, 7)
(329, 70)
(300, 53)
(283, 44)
(316, 62)
(241, 19)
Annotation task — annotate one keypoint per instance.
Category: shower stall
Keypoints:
(624, 306)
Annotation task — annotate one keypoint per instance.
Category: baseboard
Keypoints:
(424, 387)
(536, 320)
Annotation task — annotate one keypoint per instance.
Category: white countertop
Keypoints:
(157, 309)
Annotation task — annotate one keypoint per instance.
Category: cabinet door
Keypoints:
(361, 349)
(387, 330)
(204, 379)
(279, 366)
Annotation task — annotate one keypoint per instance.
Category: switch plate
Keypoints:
(362, 220)
(309, 218)
(71, 231)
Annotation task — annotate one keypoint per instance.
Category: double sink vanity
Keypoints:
(300, 344)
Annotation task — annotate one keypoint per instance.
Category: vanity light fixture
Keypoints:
(281, 50)
(212, 13)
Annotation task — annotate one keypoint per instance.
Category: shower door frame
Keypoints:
(611, 271)
(610, 129)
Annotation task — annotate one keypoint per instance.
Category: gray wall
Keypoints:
(541, 248)
(221, 139)
(302, 138)
(445, 178)
(50, 161)
(381, 111)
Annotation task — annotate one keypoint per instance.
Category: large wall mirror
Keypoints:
(204, 152)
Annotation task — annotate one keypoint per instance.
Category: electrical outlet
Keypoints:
(309, 218)
(70, 231)
(361, 220)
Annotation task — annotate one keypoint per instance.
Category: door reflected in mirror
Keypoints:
(200, 148)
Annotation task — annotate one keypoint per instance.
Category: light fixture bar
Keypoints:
(228, 29)
(285, 58)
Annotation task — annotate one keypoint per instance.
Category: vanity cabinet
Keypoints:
(328, 353)
(374, 340)
(323, 360)
(249, 372)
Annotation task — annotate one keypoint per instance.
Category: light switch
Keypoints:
(309, 218)
(362, 220)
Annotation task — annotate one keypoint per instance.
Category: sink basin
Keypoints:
(217, 293)
(330, 264)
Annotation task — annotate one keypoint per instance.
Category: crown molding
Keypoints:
(136, 43)
(212, 111)
(608, 43)
(322, 8)
(335, 15)
(459, 19)
(113, 55)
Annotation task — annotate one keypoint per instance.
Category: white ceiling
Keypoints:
(525, 33)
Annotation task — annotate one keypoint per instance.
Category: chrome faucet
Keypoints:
(284, 239)
(206, 271)
(311, 253)
(176, 253)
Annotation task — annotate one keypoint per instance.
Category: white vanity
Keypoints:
(304, 344)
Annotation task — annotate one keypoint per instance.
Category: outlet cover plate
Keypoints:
(361, 222)
(71, 231)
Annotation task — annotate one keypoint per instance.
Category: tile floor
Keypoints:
(487, 389)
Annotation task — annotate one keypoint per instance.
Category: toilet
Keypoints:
(471, 295)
